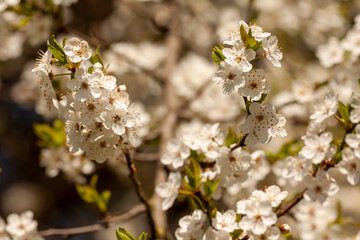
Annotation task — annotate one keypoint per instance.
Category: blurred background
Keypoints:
(132, 36)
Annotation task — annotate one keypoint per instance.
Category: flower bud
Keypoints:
(284, 228)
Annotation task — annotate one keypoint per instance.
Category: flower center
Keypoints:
(260, 118)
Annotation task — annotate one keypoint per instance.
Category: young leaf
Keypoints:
(122, 234)
(217, 54)
(57, 50)
(231, 138)
(243, 33)
(344, 112)
(50, 136)
(143, 236)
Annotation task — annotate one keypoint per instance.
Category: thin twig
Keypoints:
(291, 204)
(146, 157)
(241, 143)
(143, 199)
(133, 212)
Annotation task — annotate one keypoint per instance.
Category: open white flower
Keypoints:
(191, 226)
(255, 85)
(262, 117)
(77, 50)
(230, 76)
(355, 104)
(225, 221)
(320, 187)
(325, 108)
(3, 234)
(256, 31)
(350, 165)
(259, 213)
(169, 190)
(330, 53)
(176, 153)
(353, 139)
(296, 167)
(22, 226)
(275, 195)
(240, 56)
(85, 84)
(317, 148)
(272, 50)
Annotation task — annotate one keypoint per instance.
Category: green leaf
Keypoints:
(263, 96)
(210, 187)
(106, 195)
(236, 234)
(243, 33)
(122, 234)
(86, 193)
(50, 136)
(143, 236)
(344, 112)
(196, 156)
(231, 138)
(217, 54)
(89, 194)
(57, 50)
(193, 174)
(64, 41)
(96, 58)
(93, 181)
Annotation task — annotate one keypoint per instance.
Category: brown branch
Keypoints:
(241, 143)
(133, 212)
(143, 199)
(291, 204)
(146, 157)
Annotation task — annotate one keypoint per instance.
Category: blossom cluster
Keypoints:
(236, 73)
(99, 119)
(19, 227)
(256, 222)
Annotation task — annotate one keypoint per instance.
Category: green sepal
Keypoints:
(143, 236)
(96, 58)
(50, 136)
(122, 234)
(193, 174)
(90, 195)
(217, 54)
(57, 51)
(231, 138)
(210, 187)
(344, 113)
(236, 234)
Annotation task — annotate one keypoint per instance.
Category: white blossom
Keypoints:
(191, 226)
(355, 104)
(22, 226)
(320, 187)
(259, 213)
(350, 165)
(317, 148)
(225, 221)
(77, 50)
(262, 117)
(272, 51)
(239, 56)
(275, 195)
(325, 108)
(255, 85)
(176, 153)
(169, 190)
(230, 76)
(330, 53)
